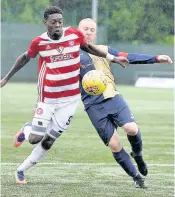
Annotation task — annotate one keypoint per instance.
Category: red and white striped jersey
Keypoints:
(58, 65)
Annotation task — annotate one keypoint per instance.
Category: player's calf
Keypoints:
(136, 145)
(35, 139)
(39, 127)
(115, 143)
(121, 156)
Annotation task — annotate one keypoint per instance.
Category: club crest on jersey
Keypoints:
(39, 111)
(60, 49)
(71, 43)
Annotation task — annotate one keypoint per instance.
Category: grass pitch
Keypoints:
(79, 165)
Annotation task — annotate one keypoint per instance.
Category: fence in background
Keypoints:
(15, 39)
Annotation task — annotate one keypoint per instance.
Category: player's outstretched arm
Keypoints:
(89, 48)
(20, 62)
(137, 58)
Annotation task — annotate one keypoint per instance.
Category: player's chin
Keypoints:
(89, 41)
(57, 34)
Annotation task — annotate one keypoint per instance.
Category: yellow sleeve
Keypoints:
(104, 48)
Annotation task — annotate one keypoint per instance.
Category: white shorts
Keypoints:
(53, 119)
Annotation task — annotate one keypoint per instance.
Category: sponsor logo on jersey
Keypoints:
(61, 57)
(48, 47)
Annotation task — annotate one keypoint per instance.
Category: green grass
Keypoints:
(82, 165)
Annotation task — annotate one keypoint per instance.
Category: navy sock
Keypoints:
(125, 162)
(136, 143)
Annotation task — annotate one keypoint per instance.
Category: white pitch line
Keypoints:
(86, 164)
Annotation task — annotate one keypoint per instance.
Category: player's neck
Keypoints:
(54, 36)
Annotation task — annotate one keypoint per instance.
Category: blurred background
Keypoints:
(128, 25)
(79, 165)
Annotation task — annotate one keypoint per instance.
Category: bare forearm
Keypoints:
(94, 50)
(20, 62)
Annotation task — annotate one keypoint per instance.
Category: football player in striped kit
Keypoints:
(58, 83)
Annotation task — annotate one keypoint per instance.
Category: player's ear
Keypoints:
(44, 21)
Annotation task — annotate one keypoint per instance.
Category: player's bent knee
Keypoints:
(34, 139)
(130, 128)
(47, 142)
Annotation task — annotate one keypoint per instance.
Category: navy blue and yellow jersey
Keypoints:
(91, 62)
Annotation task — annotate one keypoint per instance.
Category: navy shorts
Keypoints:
(108, 115)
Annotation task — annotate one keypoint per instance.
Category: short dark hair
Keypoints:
(52, 10)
